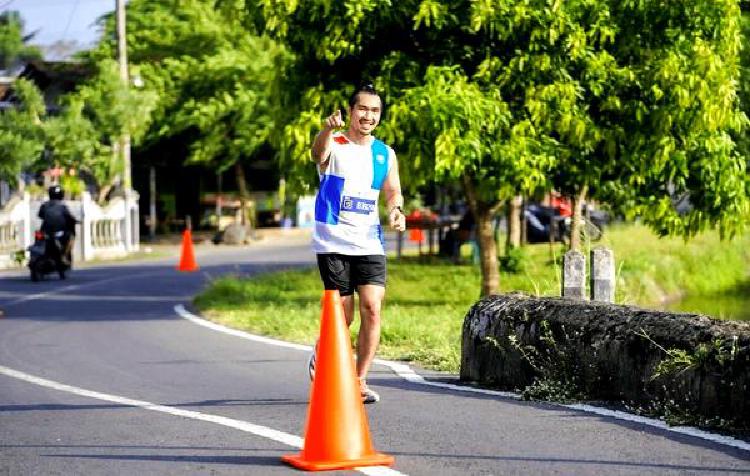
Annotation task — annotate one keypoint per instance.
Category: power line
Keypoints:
(70, 19)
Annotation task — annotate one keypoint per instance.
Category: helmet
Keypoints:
(56, 192)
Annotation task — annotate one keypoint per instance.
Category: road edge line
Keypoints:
(407, 373)
(246, 426)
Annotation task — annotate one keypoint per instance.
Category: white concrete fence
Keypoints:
(104, 232)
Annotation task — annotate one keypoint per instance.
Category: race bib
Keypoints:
(357, 205)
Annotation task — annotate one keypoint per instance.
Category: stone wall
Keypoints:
(611, 352)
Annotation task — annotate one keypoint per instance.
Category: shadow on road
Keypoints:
(236, 460)
(559, 411)
(579, 461)
(118, 293)
(199, 404)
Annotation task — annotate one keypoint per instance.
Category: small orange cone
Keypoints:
(337, 435)
(187, 258)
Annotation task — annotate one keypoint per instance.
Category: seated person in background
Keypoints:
(466, 227)
(450, 245)
(538, 219)
(562, 204)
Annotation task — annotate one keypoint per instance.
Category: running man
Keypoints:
(354, 168)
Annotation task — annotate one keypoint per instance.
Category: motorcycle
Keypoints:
(50, 253)
(543, 221)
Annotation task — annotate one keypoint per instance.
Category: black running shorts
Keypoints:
(345, 273)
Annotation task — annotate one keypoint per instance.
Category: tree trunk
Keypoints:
(514, 223)
(152, 202)
(114, 165)
(485, 235)
(219, 199)
(487, 252)
(245, 209)
(576, 223)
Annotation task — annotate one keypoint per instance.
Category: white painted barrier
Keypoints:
(104, 232)
(15, 229)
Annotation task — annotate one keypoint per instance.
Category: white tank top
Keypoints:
(346, 207)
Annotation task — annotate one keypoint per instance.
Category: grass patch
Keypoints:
(422, 315)
(427, 299)
(653, 270)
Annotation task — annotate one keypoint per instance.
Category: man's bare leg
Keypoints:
(348, 303)
(370, 302)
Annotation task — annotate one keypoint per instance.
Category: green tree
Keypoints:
(335, 47)
(692, 112)
(446, 124)
(636, 102)
(466, 133)
(13, 47)
(21, 136)
(85, 135)
(639, 97)
(744, 83)
(214, 76)
(21, 133)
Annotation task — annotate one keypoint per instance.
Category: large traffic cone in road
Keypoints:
(337, 435)
(187, 257)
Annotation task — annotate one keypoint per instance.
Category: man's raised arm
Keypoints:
(322, 145)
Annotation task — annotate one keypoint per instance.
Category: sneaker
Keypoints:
(311, 363)
(368, 395)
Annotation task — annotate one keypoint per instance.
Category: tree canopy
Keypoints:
(743, 137)
(639, 98)
(212, 77)
(13, 47)
(635, 103)
(93, 118)
(21, 133)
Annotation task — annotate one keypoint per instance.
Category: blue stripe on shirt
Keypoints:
(328, 201)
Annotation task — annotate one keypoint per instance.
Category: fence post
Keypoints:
(602, 275)
(27, 238)
(574, 275)
(126, 229)
(87, 246)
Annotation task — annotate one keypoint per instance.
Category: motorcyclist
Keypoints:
(56, 217)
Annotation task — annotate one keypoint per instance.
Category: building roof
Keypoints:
(53, 78)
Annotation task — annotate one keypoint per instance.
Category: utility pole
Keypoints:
(122, 57)
(124, 146)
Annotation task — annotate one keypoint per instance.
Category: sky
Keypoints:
(54, 20)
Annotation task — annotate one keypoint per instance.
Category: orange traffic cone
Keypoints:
(187, 258)
(337, 435)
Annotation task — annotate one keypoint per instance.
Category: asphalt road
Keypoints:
(100, 376)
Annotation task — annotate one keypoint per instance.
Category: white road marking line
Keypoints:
(258, 430)
(67, 289)
(184, 313)
(407, 373)
(115, 298)
(683, 430)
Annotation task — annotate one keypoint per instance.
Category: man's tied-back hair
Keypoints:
(366, 88)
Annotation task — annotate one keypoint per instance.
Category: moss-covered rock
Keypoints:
(668, 363)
